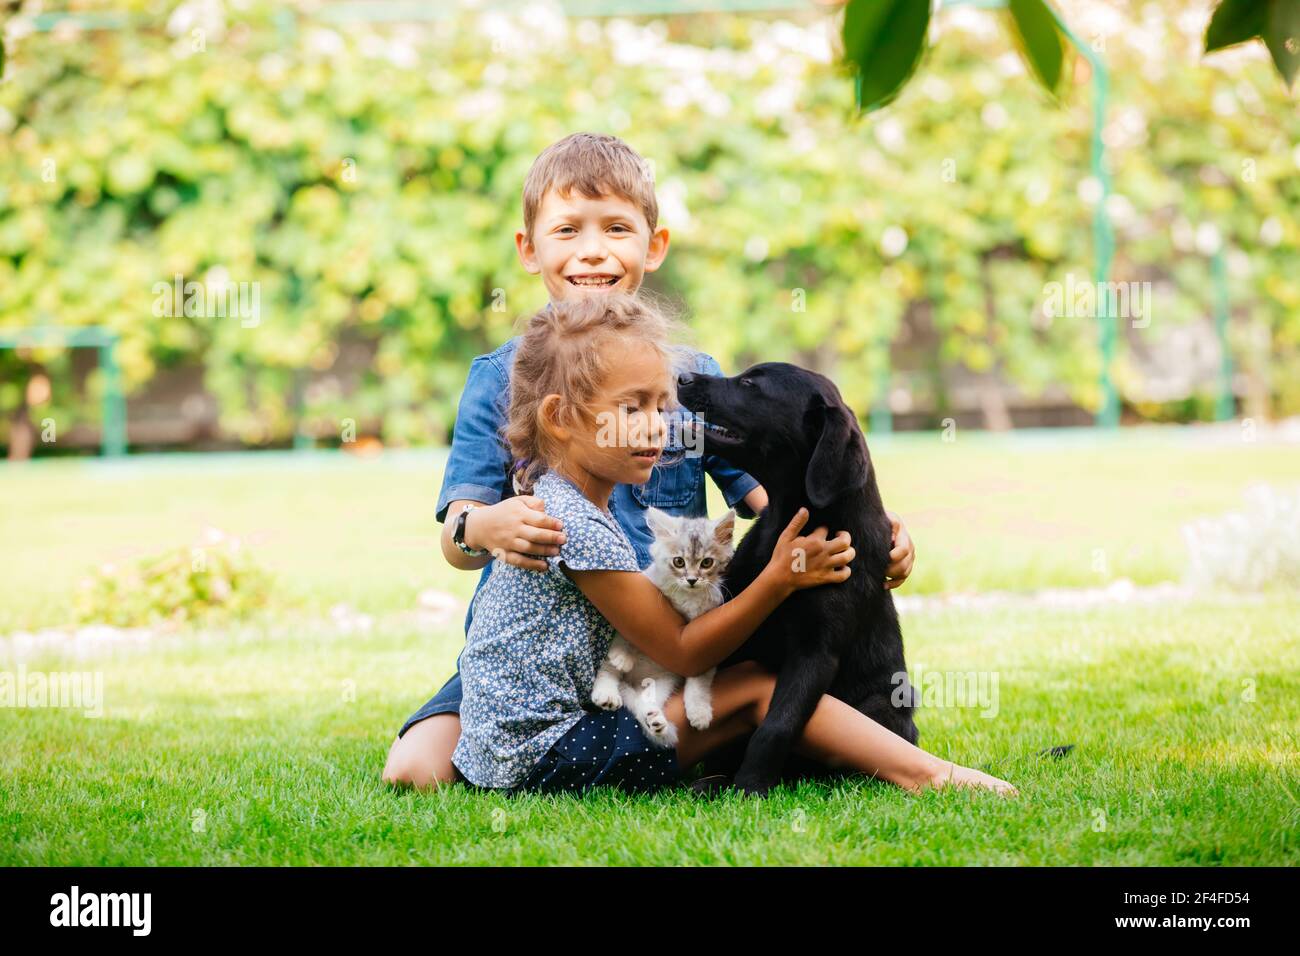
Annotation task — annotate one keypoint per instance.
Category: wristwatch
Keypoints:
(458, 534)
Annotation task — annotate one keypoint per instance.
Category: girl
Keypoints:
(590, 384)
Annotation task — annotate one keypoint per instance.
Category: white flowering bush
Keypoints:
(1248, 550)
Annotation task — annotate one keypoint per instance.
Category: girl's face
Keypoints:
(628, 433)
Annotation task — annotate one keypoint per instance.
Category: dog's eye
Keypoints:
(706, 564)
(679, 562)
(747, 382)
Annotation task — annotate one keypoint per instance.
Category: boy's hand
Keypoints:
(811, 560)
(902, 556)
(514, 530)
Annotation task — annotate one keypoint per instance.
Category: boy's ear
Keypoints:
(527, 253)
(658, 249)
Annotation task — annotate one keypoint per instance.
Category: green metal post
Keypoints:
(1103, 236)
(301, 440)
(114, 402)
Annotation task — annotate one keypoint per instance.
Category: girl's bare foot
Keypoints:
(950, 774)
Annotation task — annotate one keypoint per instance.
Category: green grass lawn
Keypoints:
(262, 744)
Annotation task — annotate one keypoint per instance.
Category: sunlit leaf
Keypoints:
(1276, 22)
(1235, 21)
(1040, 40)
(1282, 37)
(884, 40)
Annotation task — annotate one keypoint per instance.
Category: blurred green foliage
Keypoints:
(368, 178)
(215, 583)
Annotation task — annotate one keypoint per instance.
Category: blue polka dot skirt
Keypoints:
(604, 749)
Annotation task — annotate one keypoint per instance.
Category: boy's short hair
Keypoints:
(595, 165)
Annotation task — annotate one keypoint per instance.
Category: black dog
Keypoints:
(790, 429)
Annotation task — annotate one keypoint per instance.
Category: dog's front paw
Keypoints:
(751, 786)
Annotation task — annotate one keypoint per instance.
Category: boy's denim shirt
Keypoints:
(476, 467)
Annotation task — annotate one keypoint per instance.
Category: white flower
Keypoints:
(1270, 231)
(994, 115)
(324, 42)
(893, 242)
(672, 204)
(1208, 239)
(890, 135)
(205, 15)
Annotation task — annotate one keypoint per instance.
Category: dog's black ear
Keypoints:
(839, 462)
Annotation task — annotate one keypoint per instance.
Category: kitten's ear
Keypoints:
(659, 522)
(725, 527)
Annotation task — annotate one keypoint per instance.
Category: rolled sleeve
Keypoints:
(476, 466)
(592, 545)
(731, 481)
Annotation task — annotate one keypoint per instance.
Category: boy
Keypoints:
(590, 225)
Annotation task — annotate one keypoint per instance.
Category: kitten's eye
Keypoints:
(706, 564)
(679, 562)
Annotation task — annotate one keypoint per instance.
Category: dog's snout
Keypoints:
(685, 379)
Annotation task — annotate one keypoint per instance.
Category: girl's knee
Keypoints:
(418, 760)
(410, 770)
(746, 670)
(757, 685)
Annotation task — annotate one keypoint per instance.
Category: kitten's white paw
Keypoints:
(699, 713)
(659, 728)
(605, 695)
(656, 721)
(621, 659)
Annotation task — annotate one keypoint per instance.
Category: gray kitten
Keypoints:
(688, 558)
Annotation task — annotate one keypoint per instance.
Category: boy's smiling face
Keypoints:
(581, 245)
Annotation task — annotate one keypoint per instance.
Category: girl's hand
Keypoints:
(514, 530)
(811, 560)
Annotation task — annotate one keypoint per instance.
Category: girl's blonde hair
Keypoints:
(562, 352)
